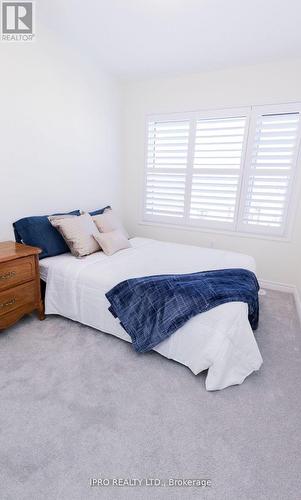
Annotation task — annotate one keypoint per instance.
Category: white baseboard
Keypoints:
(297, 302)
(275, 285)
(284, 287)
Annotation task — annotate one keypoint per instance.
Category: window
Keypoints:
(228, 169)
(216, 172)
(167, 160)
(270, 164)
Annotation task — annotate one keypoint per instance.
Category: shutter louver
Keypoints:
(167, 152)
(228, 169)
(216, 170)
(272, 159)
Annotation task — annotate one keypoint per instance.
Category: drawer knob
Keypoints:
(7, 275)
(8, 303)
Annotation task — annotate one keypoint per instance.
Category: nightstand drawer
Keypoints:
(17, 271)
(19, 296)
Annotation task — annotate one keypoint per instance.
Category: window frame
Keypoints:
(237, 228)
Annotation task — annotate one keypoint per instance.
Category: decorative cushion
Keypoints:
(108, 221)
(113, 241)
(78, 233)
(99, 211)
(38, 232)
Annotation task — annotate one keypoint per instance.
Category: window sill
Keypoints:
(225, 232)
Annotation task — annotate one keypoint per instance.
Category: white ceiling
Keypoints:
(143, 38)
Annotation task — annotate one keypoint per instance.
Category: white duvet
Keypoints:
(220, 340)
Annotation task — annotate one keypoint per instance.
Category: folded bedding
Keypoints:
(152, 308)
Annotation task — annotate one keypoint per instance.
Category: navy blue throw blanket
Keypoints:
(152, 308)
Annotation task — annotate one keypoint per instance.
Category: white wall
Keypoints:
(59, 131)
(262, 84)
(61, 143)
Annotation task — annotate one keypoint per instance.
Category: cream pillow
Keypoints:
(108, 221)
(112, 242)
(78, 232)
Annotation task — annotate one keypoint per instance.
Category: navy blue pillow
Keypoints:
(99, 211)
(38, 232)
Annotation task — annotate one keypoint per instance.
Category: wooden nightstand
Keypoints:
(20, 291)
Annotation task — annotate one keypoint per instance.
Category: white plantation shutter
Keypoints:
(271, 163)
(228, 169)
(166, 169)
(217, 166)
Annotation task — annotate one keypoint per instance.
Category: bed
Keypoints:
(220, 340)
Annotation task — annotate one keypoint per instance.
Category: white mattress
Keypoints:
(220, 340)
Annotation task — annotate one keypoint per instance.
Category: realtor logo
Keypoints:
(17, 21)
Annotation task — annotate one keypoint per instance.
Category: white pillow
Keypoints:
(112, 242)
(108, 221)
(78, 232)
